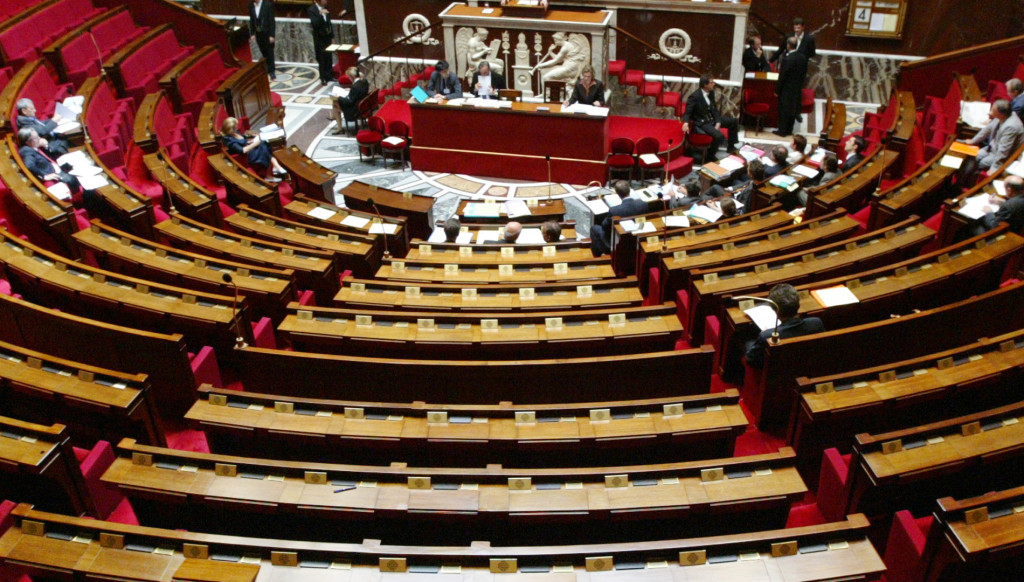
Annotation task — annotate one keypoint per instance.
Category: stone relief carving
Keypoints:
(566, 56)
(471, 47)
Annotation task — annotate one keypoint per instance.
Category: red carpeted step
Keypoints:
(634, 77)
(669, 99)
(618, 69)
(651, 89)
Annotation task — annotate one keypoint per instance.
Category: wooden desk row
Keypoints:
(326, 215)
(487, 237)
(487, 336)
(244, 186)
(37, 465)
(355, 252)
(953, 221)
(949, 326)
(920, 193)
(94, 403)
(204, 318)
(184, 195)
(163, 358)
(677, 267)
(308, 176)
(937, 278)
(540, 211)
(834, 126)
(392, 295)
(267, 291)
(441, 254)
(43, 543)
(421, 434)
(416, 210)
(309, 375)
(710, 288)
(651, 250)
(961, 456)
(970, 378)
(853, 188)
(453, 506)
(486, 272)
(313, 269)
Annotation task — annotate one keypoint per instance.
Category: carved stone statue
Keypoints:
(471, 48)
(566, 57)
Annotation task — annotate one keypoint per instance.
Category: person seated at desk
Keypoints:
(1009, 210)
(46, 170)
(829, 169)
(487, 83)
(688, 193)
(779, 155)
(997, 139)
(452, 228)
(854, 148)
(702, 110)
(601, 234)
(551, 231)
(588, 91)
(443, 85)
(256, 150)
(349, 104)
(512, 231)
(53, 144)
(1015, 88)
(754, 59)
(797, 149)
(787, 307)
(741, 191)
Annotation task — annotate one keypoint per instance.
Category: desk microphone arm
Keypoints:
(775, 339)
(384, 231)
(239, 339)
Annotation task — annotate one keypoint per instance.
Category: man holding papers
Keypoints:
(787, 302)
(52, 144)
(349, 104)
(1010, 210)
(632, 205)
(486, 83)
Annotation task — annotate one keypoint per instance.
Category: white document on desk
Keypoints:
(67, 113)
(60, 190)
(763, 316)
(323, 213)
(633, 227)
(597, 206)
(612, 200)
(677, 221)
(337, 91)
(386, 228)
(74, 158)
(93, 182)
(704, 212)
(805, 171)
(355, 221)
(530, 236)
(953, 162)
(487, 235)
(464, 238)
(834, 296)
(516, 208)
(975, 206)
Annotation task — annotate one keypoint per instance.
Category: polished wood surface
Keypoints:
(309, 177)
(831, 551)
(53, 215)
(984, 547)
(327, 215)
(37, 465)
(422, 434)
(854, 187)
(543, 211)
(417, 210)
(404, 270)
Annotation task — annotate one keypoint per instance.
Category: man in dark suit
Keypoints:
(855, 147)
(1010, 210)
(804, 42)
(754, 59)
(601, 234)
(53, 144)
(349, 104)
(486, 83)
(40, 164)
(323, 34)
(779, 163)
(443, 83)
(790, 87)
(262, 29)
(702, 111)
(787, 302)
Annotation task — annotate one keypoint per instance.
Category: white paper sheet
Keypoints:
(386, 228)
(707, 213)
(597, 206)
(93, 182)
(612, 200)
(60, 190)
(949, 161)
(355, 221)
(633, 227)
(975, 206)
(530, 236)
(833, 296)
(516, 208)
(763, 316)
(487, 235)
(805, 171)
(677, 221)
(323, 213)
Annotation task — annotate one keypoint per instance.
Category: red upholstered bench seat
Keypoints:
(81, 60)
(25, 39)
(42, 88)
(199, 83)
(110, 122)
(143, 69)
(9, 8)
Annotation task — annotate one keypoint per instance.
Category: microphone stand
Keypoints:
(548, 160)
(239, 340)
(99, 54)
(384, 232)
(775, 339)
(668, 161)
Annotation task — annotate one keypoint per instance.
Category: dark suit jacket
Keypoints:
(773, 169)
(698, 111)
(791, 76)
(262, 24)
(350, 103)
(323, 32)
(851, 161)
(794, 327)
(1011, 211)
(36, 162)
(43, 128)
(497, 82)
(437, 83)
(753, 63)
(581, 95)
(629, 207)
(806, 47)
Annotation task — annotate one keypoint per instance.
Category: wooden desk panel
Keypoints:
(395, 270)
(646, 375)
(417, 210)
(38, 466)
(54, 216)
(846, 554)
(301, 209)
(854, 188)
(558, 435)
(479, 503)
(543, 211)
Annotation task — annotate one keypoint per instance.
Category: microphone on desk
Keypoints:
(548, 160)
(384, 232)
(668, 176)
(99, 55)
(775, 339)
(239, 340)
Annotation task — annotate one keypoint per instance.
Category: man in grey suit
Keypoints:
(999, 138)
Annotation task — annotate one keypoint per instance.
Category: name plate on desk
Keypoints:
(398, 266)
(437, 417)
(465, 251)
(225, 470)
(425, 324)
(144, 459)
(715, 474)
(520, 483)
(694, 558)
(782, 549)
(113, 541)
(413, 292)
(425, 249)
(364, 320)
(584, 291)
(359, 287)
(489, 324)
(508, 252)
(600, 414)
(526, 292)
(355, 413)
(617, 318)
(553, 323)
(561, 268)
(504, 565)
(419, 482)
(599, 563)
(548, 251)
(526, 417)
(506, 270)
(532, 202)
(615, 481)
(451, 269)
(469, 294)
(393, 565)
(290, 559)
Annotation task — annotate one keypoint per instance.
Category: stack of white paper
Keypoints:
(805, 171)
(486, 235)
(597, 206)
(976, 206)
(337, 91)
(612, 200)
(633, 227)
(269, 132)
(322, 213)
(60, 190)
(975, 113)
(949, 161)
(516, 208)
(763, 316)
(386, 228)
(833, 296)
(356, 221)
(677, 221)
(704, 212)
(530, 236)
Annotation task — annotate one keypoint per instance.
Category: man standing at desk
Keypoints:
(443, 84)
(262, 29)
(790, 87)
(486, 83)
(323, 34)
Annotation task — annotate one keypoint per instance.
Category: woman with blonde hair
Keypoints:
(588, 91)
(256, 150)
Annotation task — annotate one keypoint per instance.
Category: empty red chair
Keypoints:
(396, 143)
(669, 99)
(621, 157)
(618, 70)
(700, 142)
(648, 146)
(369, 140)
(752, 107)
